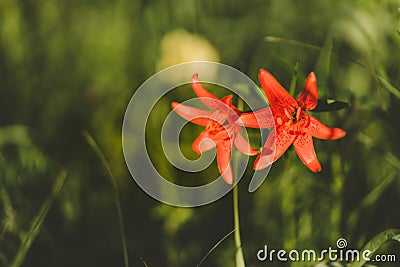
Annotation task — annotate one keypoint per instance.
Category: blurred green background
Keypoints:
(72, 66)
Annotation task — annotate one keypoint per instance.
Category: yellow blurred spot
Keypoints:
(180, 46)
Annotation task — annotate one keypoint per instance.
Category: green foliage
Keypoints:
(377, 242)
(113, 184)
(37, 222)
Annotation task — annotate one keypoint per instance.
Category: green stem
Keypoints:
(239, 258)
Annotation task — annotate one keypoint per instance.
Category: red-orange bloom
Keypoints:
(293, 125)
(223, 127)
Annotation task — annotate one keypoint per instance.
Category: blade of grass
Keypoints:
(214, 247)
(9, 213)
(144, 262)
(388, 86)
(376, 243)
(92, 143)
(324, 59)
(398, 11)
(293, 83)
(37, 222)
(371, 198)
(388, 156)
(278, 40)
(377, 191)
(274, 39)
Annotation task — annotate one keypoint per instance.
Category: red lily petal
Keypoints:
(277, 96)
(203, 143)
(213, 134)
(227, 100)
(317, 129)
(304, 147)
(308, 98)
(223, 159)
(266, 156)
(200, 90)
(259, 119)
(230, 109)
(195, 115)
(243, 145)
(218, 116)
(206, 97)
(283, 142)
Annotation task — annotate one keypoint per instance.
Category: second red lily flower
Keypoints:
(293, 125)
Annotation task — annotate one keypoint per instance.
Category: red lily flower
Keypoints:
(223, 127)
(293, 125)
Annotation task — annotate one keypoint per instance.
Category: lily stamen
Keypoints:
(287, 114)
(298, 113)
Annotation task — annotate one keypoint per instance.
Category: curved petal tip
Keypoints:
(174, 104)
(338, 133)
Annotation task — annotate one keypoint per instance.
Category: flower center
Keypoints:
(217, 121)
(293, 115)
(292, 120)
(214, 126)
(220, 127)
